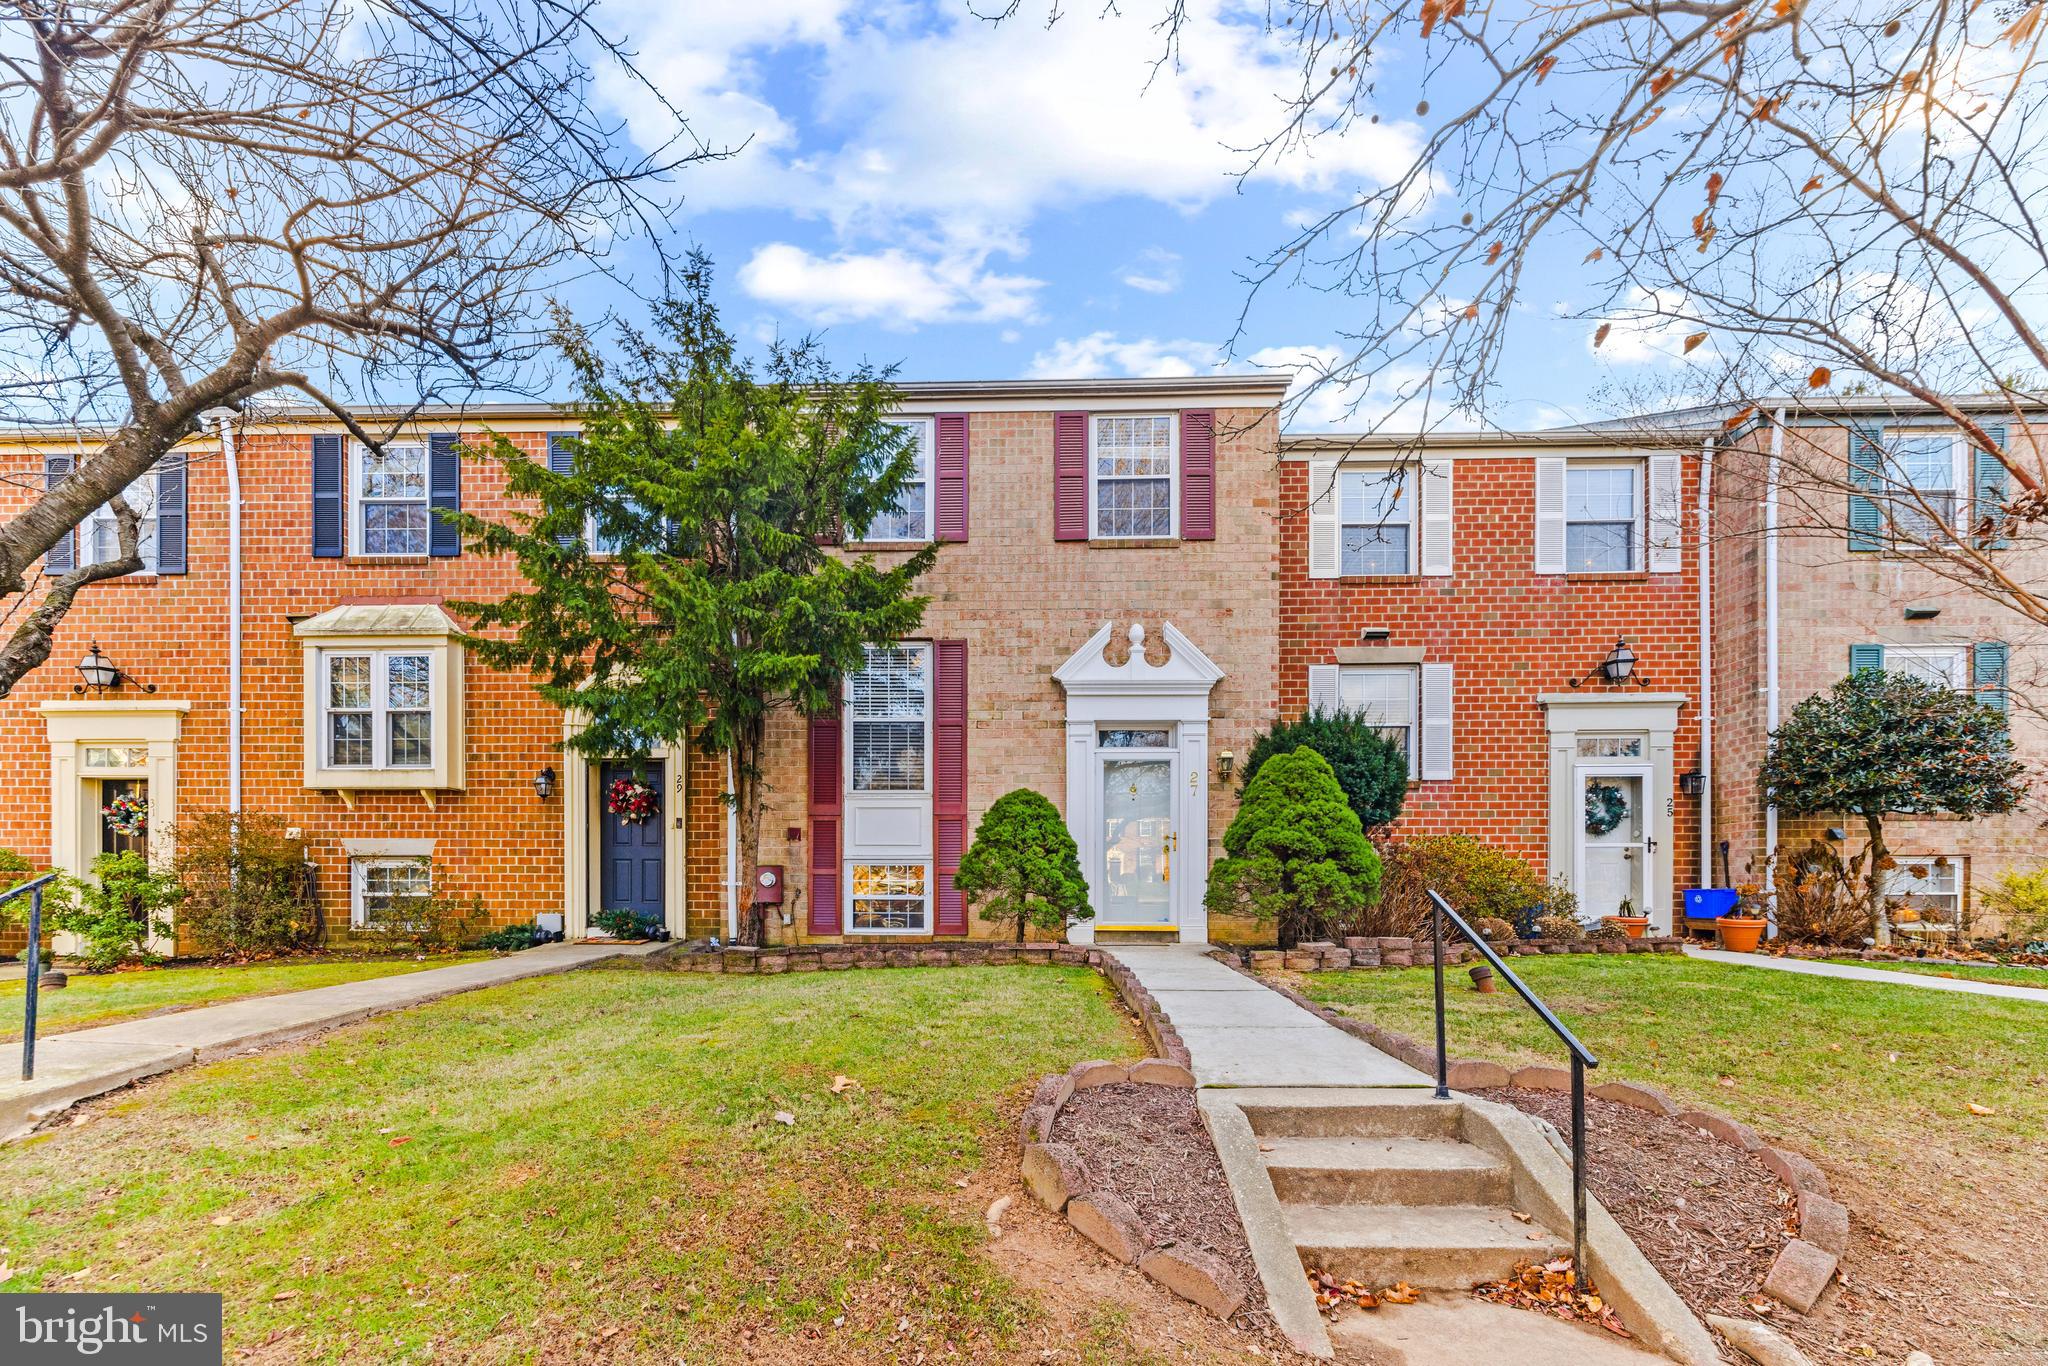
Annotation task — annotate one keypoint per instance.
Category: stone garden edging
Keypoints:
(1803, 1267)
(1058, 1176)
(1404, 951)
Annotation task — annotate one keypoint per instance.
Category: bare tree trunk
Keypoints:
(746, 783)
(1874, 875)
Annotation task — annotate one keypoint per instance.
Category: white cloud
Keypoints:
(1102, 355)
(891, 287)
(1155, 270)
(1649, 326)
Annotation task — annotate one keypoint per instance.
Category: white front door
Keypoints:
(1139, 839)
(1614, 845)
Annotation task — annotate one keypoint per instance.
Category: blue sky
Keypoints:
(1028, 199)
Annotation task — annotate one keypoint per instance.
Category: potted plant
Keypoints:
(1635, 926)
(1741, 930)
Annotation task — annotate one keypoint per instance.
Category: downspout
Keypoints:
(1771, 650)
(732, 860)
(1706, 572)
(223, 420)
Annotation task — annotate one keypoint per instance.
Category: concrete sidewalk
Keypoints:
(1240, 1033)
(1890, 978)
(73, 1066)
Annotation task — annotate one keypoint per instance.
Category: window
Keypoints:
(1924, 473)
(1610, 747)
(1133, 477)
(1924, 892)
(1125, 737)
(889, 896)
(1386, 698)
(888, 718)
(391, 499)
(116, 756)
(99, 539)
(1946, 666)
(1603, 510)
(377, 709)
(387, 893)
(1376, 516)
(910, 519)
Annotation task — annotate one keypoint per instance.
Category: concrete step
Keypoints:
(1456, 1330)
(1384, 1171)
(1432, 1247)
(1393, 1114)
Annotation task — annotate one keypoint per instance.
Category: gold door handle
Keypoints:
(1166, 848)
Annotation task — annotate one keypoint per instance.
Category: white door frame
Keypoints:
(1097, 871)
(1140, 694)
(72, 727)
(1654, 716)
(583, 809)
(1646, 796)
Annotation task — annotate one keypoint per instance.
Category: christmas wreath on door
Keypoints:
(1606, 807)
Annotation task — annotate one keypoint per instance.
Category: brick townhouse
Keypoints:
(1813, 582)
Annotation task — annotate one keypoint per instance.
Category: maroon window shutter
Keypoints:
(824, 812)
(1070, 476)
(1198, 476)
(952, 477)
(949, 781)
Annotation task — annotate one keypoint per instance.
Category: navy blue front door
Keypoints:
(630, 853)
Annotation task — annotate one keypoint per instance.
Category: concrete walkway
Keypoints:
(1241, 1033)
(1891, 978)
(73, 1066)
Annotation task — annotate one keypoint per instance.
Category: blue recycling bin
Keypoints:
(1709, 903)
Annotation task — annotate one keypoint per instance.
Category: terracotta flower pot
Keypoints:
(1740, 933)
(1636, 925)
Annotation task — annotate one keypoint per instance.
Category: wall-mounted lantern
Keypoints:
(544, 784)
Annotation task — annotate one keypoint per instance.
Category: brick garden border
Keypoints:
(1806, 1263)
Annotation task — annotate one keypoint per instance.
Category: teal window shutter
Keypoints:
(1990, 488)
(1987, 670)
(1866, 521)
(1862, 657)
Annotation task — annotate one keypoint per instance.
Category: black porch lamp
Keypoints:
(101, 673)
(544, 783)
(1618, 668)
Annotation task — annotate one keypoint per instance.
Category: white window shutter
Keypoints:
(1436, 517)
(1323, 537)
(1322, 688)
(1436, 722)
(1667, 516)
(1550, 515)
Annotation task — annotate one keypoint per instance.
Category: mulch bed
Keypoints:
(1708, 1216)
(1147, 1145)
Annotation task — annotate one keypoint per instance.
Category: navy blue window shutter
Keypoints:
(1865, 657)
(63, 555)
(562, 460)
(327, 499)
(170, 514)
(444, 492)
(1987, 673)
(1989, 482)
(1866, 521)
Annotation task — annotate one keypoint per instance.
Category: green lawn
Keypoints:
(584, 1162)
(1853, 1069)
(1963, 972)
(103, 998)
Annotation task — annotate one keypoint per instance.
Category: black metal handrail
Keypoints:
(1582, 1059)
(34, 890)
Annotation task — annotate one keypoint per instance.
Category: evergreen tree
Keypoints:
(1296, 853)
(1023, 867)
(1372, 770)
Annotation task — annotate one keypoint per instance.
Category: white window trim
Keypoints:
(445, 687)
(359, 867)
(1412, 676)
(1409, 503)
(87, 537)
(1898, 492)
(1172, 479)
(1639, 539)
(1904, 861)
(928, 439)
(1962, 655)
(359, 503)
(380, 709)
(846, 875)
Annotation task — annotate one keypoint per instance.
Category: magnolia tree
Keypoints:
(680, 586)
(206, 203)
(1883, 744)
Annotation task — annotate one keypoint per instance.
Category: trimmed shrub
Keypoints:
(1480, 882)
(1565, 929)
(508, 938)
(1371, 769)
(245, 886)
(1295, 854)
(1493, 929)
(116, 911)
(1023, 869)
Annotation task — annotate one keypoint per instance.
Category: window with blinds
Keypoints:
(888, 713)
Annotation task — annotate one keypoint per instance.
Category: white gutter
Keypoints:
(1771, 638)
(1706, 572)
(223, 420)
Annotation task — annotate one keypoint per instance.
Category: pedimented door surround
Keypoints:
(1138, 709)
